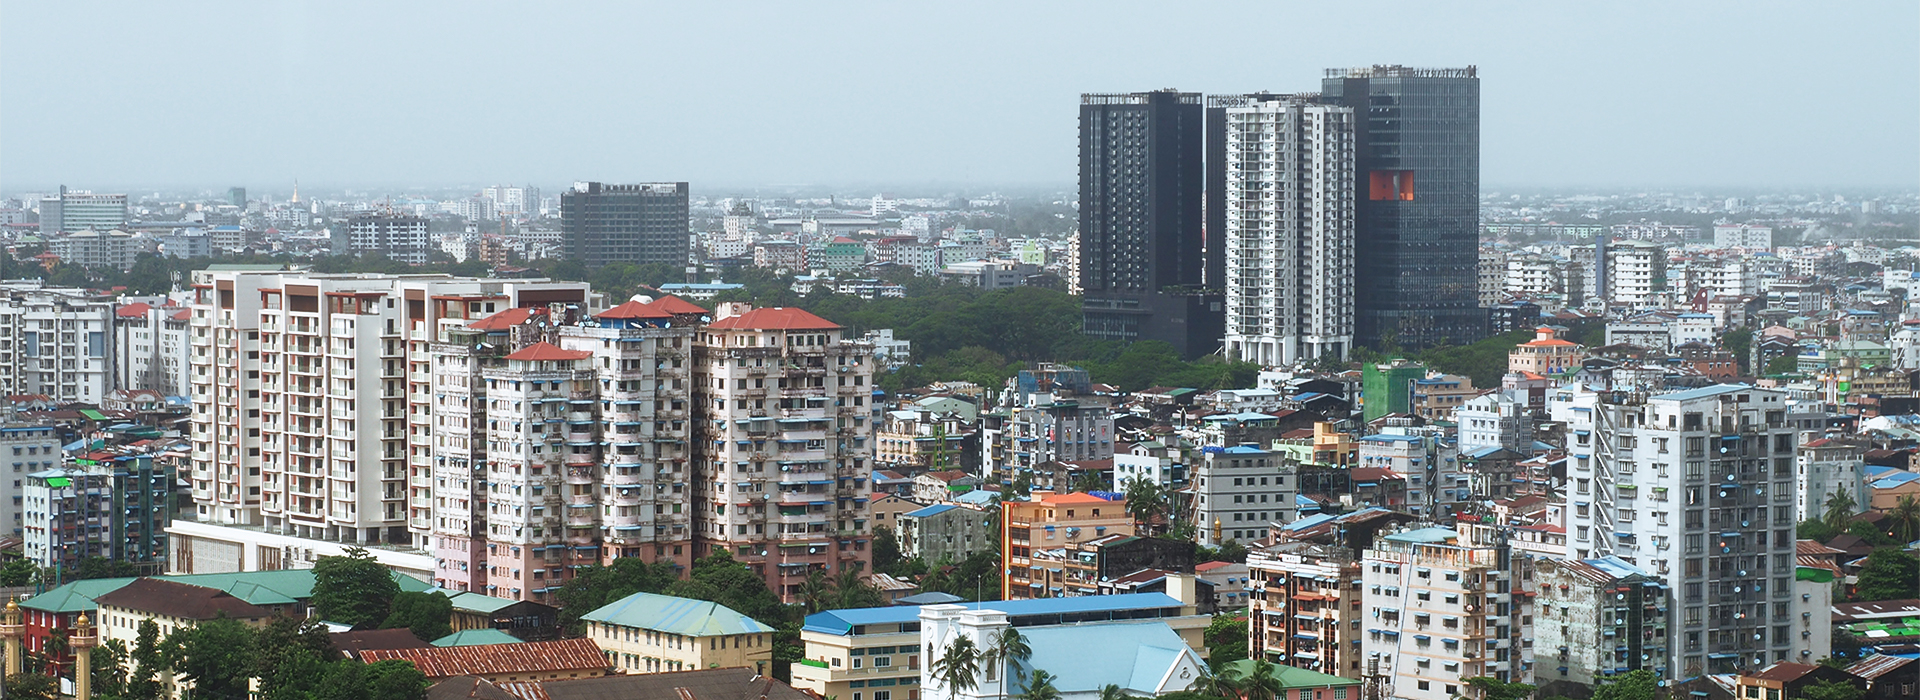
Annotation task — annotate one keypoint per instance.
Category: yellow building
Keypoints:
(171, 606)
(648, 633)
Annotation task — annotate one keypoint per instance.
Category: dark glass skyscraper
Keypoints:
(1417, 196)
(647, 223)
(1140, 253)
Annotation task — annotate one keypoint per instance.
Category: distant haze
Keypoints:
(730, 94)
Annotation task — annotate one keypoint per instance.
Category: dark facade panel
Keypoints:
(601, 223)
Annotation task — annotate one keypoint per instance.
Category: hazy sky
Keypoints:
(258, 93)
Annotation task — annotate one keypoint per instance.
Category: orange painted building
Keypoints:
(1051, 521)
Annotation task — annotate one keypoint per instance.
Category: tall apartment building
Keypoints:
(1597, 619)
(1289, 228)
(99, 248)
(1828, 466)
(80, 210)
(313, 396)
(1050, 414)
(1441, 607)
(645, 223)
(398, 237)
(1240, 491)
(69, 517)
(1303, 609)
(783, 447)
(561, 440)
(151, 348)
(56, 341)
(1140, 264)
(1636, 274)
(30, 449)
(1696, 487)
(1417, 201)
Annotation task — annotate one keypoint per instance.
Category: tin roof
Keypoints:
(496, 659)
(683, 616)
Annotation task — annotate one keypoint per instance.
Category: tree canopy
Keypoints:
(354, 589)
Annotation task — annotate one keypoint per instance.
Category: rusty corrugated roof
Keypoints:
(498, 659)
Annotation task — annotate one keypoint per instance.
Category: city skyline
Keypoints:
(972, 111)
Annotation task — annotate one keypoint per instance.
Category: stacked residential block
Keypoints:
(516, 434)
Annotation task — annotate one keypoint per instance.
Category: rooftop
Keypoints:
(179, 600)
(683, 616)
(841, 622)
(494, 659)
(775, 319)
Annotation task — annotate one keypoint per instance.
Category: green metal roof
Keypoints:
(1291, 677)
(74, 597)
(683, 616)
(284, 587)
(475, 602)
(474, 638)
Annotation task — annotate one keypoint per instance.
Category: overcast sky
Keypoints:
(258, 93)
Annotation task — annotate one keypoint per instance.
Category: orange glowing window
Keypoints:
(1385, 185)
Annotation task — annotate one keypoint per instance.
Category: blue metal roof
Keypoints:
(841, 622)
(932, 510)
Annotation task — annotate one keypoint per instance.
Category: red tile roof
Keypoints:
(498, 659)
(183, 314)
(548, 351)
(676, 305)
(506, 319)
(777, 318)
(133, 310)
(633, 309)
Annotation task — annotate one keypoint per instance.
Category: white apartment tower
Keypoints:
(1289, 200)
(1696, 487)
(783, 447)
(56, 341)
(561, 441)
(312, 395)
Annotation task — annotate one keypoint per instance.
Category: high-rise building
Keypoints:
(1417, 202)
(80, 210)
(561, 440)
(1696, 487)
(62, 342)
(783, 449)
(645, 223)
(1599, 618)
(1140, 265)
(237, 196)
(1239, 492)
(1443, 606)
(398, 237)
(69, 515)
(312, 395)
(34, 448)
(1288, 198)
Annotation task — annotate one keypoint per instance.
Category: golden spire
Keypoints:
(83, 621)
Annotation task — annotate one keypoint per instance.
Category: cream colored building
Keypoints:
(649, 633)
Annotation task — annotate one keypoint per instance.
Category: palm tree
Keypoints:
(1145, 501)
(1260, 683)
(816, 590)
(959, 667)
(1114, 692)
(1906, 519)
(1223, 683)
(1840, 507)
(1040, 687)
(1006, 650)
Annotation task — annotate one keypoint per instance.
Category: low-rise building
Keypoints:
(1302, 607)
(1141, 657)
(1238, 491)
(945, 532)
(650, 633)
(1229, 581)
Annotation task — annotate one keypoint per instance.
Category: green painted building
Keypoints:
(1387, 388)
